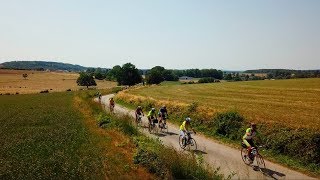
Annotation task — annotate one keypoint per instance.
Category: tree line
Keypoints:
(287, 73)
(128, 74)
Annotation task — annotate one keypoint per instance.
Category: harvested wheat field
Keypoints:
(12, 81)
(294, 103)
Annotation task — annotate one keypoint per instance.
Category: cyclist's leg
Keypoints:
(149, 119)
(245, 141)
(160, 119)
(251, 143)
(182, 136)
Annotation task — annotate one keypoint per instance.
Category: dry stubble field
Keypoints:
(11, 81)
(294, 103)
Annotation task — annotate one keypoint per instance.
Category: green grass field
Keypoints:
(295, 102)
(55, 136)
(43, 136)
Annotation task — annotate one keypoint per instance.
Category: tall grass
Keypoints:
(167, 163)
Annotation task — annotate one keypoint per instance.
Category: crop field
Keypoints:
(54, 136)
(294, 103)
(11, 81)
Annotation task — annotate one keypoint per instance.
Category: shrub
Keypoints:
(228, 124)
(206, 80)
(45, 91)
(103, 120)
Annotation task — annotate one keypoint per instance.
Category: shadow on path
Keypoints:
(272, 174)
(171, 133)
(160, 134)
(199, 152)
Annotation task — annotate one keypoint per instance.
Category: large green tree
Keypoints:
(114, 73)
(155, 75)
(128, 75)
(86, 79)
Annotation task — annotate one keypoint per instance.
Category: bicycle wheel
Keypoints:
(182, 142)
(161, 126)
(260, 162)
(166, 128)
(192, 146)
(139, 123)
(244, 156)
(155, 129)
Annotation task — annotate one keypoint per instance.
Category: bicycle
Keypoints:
(254, 156)
(139, 121)
(111, 108)
(187, 141)
(152, 126)
(163, 124)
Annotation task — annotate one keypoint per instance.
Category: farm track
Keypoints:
(217, 155)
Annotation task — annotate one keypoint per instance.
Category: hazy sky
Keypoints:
(230, 35)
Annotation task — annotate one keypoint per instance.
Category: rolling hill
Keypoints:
(41, 65)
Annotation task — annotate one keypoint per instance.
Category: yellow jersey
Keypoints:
(184, 125)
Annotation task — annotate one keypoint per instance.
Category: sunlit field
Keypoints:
(294, 102)
(11, 81)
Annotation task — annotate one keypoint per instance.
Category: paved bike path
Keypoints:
(216, 154)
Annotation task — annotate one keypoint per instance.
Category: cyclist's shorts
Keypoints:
(181, 133)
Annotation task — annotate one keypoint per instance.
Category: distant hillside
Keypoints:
(275, 70)
(41, 65)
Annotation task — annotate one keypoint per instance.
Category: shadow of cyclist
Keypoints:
(272, 174)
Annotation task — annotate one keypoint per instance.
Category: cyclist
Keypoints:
(111, 104)
(138, 112)
(248, 139)
(163, 114)
(184, 128)
(151, 115)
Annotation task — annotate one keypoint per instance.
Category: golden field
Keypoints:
(11, 81)
(294, 103)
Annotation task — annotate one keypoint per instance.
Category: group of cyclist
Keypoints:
(185, 127)
(152, 114)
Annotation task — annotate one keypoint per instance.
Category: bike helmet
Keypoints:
(164, 106)
(188, 119)
(153, 109)
(139, 107)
